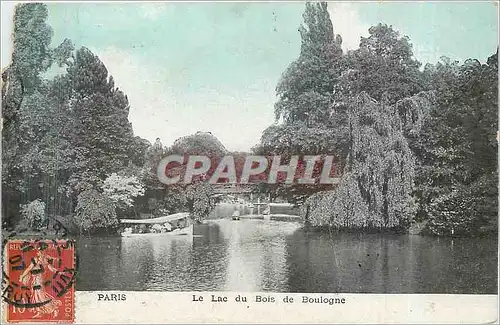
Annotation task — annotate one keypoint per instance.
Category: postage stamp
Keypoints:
(250, 162)
(39, 281)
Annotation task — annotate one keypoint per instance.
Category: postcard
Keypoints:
(249, 162)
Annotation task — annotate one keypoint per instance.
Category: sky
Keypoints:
(214, 66)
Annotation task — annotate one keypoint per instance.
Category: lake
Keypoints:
(258, 255)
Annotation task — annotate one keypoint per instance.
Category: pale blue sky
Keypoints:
(190, 67)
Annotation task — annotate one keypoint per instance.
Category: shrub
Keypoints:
(34, 213)
(95, 212)
(122, 189)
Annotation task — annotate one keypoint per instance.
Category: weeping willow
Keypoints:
(378, 179)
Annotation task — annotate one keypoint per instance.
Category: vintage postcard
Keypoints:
(249, 162)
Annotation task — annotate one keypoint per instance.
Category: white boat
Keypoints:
(162, 228)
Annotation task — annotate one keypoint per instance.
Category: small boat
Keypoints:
(178, 224)
(236, 215)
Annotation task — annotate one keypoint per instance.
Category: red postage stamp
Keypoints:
(38, 281)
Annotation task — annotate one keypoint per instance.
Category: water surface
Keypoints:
(258, 255)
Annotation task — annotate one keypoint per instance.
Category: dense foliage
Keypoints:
(33, 213)
(457, 174)
(122, 189)
(413, 146)
(61, 136)
(195, 197)
(95, 212)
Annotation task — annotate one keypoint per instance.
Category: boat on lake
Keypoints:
(178, 224)
(236, 214)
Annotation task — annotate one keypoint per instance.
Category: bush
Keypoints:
(95, 212)
(122, 189)
(33, 213)
(465, 210)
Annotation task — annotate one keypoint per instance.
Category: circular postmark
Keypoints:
(38, 275)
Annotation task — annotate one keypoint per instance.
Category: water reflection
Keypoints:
(391, 264)
(258, 255)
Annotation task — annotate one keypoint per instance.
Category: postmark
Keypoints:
(38, 281)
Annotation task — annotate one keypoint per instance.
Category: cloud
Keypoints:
(236, 117)
(347, 23)
(154, 10)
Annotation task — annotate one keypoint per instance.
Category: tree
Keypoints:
(102, 134)
(345, 105)
(30, 118)
(200, 143)
(152, 156)
(199, 199)
(306, 89)
(377, 184)
(137, 150)
(384, 66)
(195, 197)
(31, 53)
(95, 212)
(61, 136)
(457, 150)
(310, 114)
(122, 189)
(33, 213)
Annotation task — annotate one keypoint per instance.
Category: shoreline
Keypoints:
(414, 230)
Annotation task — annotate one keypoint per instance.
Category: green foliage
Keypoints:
(33, 213)
(199, 200)
(137, 150)
(307, 88)
(35, 151)
(102, 137)
(457, 150)
(196, 197)
(122, 189)
(384, 66)
(413, 145)
(61, 136)
(95, 212)
(200, 143)
(298, 139)
(31, 56)
(32, 37)
(152, 156)
(311, 115)
(377, 183)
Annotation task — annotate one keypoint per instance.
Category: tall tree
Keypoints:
(361, 107)
(60, 136)
(310, 114)
(30, 119)
(384, 66)
(102, 134)
(307, 89)
(457, 152)
(378, 179)
(195, 197)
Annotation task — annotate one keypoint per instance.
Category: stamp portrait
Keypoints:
(38, 280)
